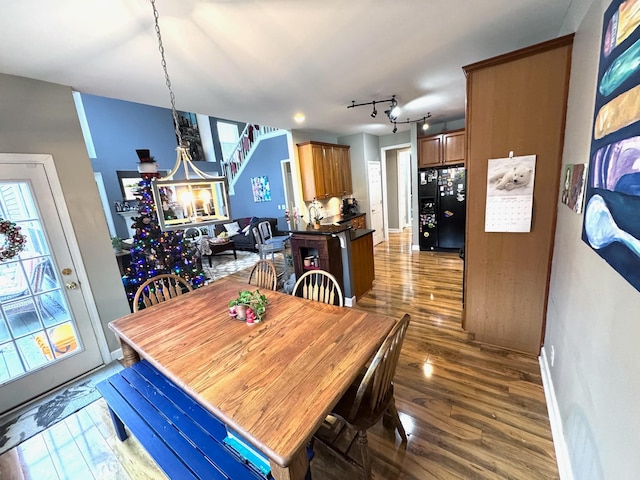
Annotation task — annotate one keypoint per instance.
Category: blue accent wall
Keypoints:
(118, 129)
(265, 161)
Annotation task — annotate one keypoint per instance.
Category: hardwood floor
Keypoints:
(471, 411)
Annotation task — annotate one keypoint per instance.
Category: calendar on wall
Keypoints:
(510, 194)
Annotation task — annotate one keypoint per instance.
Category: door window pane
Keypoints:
(10, 364)
(35, 323)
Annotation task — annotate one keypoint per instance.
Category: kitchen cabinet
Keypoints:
(442, 149)
(325, 170)
(515, 102)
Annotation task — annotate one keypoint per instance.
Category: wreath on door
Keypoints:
(14, 241)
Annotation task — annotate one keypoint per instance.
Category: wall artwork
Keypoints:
(261, 189)
(612, 213)
(573, 186)
(188, 125)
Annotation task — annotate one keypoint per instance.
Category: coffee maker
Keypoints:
(349, 206)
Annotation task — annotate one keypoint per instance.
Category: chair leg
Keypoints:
(396, 419)
(366, 464)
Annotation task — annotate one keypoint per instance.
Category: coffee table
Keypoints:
(219, 248)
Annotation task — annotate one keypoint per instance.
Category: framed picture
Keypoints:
(261, 189)
(129, 180)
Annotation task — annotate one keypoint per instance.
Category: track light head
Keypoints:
(395, 127)
(375, 112)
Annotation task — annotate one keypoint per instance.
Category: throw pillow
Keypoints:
(232, 228)
(246, 229)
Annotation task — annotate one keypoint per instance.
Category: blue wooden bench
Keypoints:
(184, 439)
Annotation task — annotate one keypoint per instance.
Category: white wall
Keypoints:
(40, 117)
(593, 318)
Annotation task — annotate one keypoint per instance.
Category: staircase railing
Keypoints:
(234, 164)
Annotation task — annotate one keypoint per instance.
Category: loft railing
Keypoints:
(232, 167)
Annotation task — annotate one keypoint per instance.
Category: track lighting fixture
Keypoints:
(392, 112)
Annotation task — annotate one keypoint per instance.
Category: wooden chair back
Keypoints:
(159, 289)
(378, 379)
(320, 286)
(264, 275)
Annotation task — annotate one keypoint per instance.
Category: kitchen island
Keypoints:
(336, 247)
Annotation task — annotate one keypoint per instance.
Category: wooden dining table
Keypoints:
(272, 382)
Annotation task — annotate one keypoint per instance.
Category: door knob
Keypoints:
(72, 285)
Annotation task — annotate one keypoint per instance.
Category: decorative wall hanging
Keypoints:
(261, 189)
(13, 242)
(612, 213)
(573, 186)
(188, 125)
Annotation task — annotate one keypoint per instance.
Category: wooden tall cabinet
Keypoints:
(325, 170)
(515, 102)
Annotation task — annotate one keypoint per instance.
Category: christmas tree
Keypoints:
(156, 252)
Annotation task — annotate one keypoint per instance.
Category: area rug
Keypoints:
(223, 265)
(22, 424)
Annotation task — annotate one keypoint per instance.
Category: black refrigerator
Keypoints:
(442, 207)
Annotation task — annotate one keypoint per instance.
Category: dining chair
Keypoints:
(270, 246)
(370, 397)
(319, 285)
(159, 289)
(264, 275)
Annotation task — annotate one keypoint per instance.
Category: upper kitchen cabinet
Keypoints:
(325, 170)
(442, 149)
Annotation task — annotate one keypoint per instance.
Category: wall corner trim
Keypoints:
(559, 444)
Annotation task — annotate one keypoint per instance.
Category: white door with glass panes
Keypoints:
(46, 334)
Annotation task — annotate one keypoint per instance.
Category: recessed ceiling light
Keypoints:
(299, 117)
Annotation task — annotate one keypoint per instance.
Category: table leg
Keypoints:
(235, 256)
(297, 470)
(209, 256)
(130, 356)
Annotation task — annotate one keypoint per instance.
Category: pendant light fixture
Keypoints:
(195, 201)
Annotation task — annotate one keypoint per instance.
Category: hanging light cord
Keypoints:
(183, 155)
(174, 113)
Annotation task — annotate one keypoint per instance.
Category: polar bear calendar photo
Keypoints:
(510, 184)
(511, 176)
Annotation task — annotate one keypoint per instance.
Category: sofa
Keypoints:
(243, 236)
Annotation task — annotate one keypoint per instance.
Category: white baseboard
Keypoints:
(394, 230)
(415, 247)
(562, 453)
(116, 355)
(349, 301)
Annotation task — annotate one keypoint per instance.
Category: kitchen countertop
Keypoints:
(328, 226)
(301, 226)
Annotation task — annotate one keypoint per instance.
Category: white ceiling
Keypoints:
(265, 60)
